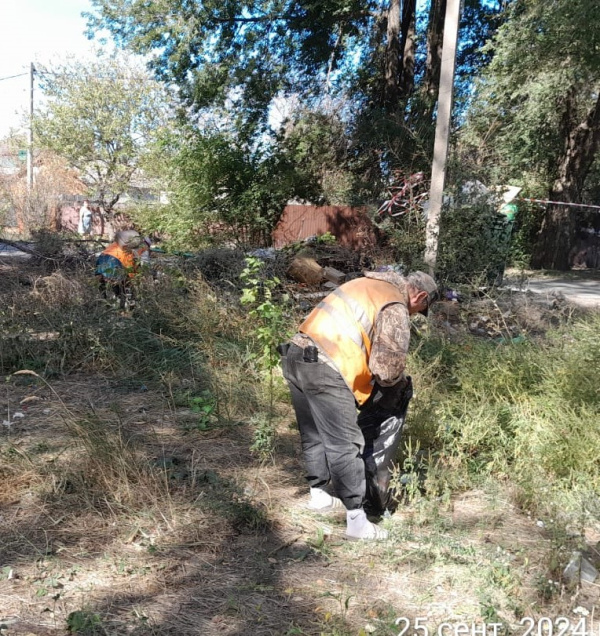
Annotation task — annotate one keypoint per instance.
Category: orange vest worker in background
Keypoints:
(117, 264)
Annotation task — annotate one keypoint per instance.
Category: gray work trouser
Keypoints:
(332, 442)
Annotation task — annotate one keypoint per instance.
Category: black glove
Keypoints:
(393, 399)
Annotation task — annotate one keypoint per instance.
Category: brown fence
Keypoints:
(68, 220)
(351, 226)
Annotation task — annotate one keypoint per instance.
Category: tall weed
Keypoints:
(524, 412)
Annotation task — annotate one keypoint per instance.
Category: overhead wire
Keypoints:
(12, 76)
(135, 78)
(55, 74)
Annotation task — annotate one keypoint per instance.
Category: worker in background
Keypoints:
(84, 227)
(118, 264)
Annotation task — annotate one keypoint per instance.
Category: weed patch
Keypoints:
(517, 411)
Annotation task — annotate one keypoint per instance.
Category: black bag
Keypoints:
(382, 422)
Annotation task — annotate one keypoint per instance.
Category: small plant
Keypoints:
(266, 312)
(263, 441)
(84, 623)
(319, 543)
(269, 318)
(205, 405)
(546, 588)
(406, 482)
(343, 599)
(326, 239)
(488, 609)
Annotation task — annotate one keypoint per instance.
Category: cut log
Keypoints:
(310, 296)
(334, 275)
(306, 270)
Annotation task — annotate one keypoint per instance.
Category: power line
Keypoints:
(132, 78)
(43, 74)
(565, 203)
(108, 77)
(11, 76)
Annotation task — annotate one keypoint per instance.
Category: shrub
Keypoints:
(472, 244)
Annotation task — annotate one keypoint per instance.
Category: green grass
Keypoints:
(522, 412)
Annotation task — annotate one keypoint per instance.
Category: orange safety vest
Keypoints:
(343, 324)
(125, 257)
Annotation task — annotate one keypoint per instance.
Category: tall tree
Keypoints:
(241, 56)
(102, 117)
(537, 111)
(241, 52)
(248, 51)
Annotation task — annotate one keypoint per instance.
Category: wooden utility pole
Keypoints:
(30, 132)
(442, 132)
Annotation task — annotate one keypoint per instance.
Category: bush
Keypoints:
(406, 238)
(473, 244)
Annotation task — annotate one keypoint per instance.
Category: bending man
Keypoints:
(116, 265)
(357, 336)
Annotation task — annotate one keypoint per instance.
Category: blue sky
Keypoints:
(35, 31)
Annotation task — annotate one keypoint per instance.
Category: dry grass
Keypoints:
(193, 556)
(120, 515)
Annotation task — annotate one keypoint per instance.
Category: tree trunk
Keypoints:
(392, 55)
(435, 40)
(399, 71)
(407, 79)
(555, 239)
(558, 233)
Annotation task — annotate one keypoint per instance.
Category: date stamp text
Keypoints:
(527, 626)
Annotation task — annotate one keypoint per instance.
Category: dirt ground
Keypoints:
(474, 559)
(222, 545)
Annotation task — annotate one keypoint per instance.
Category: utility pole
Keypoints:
(30, 132)
(442, 132)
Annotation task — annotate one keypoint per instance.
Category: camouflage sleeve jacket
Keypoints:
(390, 345)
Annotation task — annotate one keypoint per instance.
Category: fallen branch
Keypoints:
(33, 252)
(22, 248)
(287, 544)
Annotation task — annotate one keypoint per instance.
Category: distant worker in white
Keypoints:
(85, 219)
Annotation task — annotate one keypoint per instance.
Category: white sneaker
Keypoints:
(359, 528)
(321, 501)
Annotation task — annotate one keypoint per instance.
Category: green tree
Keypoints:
(214, 180)
(384, 56)
(103, 117)
(536, 114)
(317, 145)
